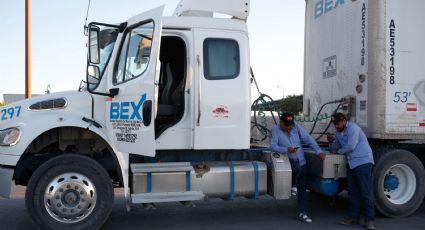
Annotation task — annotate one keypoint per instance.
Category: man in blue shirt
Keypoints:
(288, 137)
(351, 141)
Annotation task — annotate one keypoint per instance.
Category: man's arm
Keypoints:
(274, 140)
(334, 144)
(306, 138)
(353, 139)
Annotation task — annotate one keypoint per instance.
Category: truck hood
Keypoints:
(18, 113)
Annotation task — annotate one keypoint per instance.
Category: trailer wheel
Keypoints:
(69, 192)
(399, 183)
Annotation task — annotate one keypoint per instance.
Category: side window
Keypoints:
(221, 59)
(135, 53)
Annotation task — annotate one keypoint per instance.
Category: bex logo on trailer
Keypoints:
(325, 6)
(121, 110)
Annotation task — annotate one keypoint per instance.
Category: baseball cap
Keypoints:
(287, 118)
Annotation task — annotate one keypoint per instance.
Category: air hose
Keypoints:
(264, 103)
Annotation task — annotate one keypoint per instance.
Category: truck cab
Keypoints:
(166, 72)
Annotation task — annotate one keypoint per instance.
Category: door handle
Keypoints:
(147, 112)
(114, 92)
(198, 120)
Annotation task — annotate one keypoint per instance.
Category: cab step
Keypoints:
(161, 167)
(160, 197)
(162, 182)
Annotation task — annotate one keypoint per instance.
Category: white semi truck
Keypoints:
(371, 53)
(165, 115)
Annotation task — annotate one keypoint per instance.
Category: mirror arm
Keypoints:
(112, 92)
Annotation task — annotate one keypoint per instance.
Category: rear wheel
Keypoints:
(69, 192)
(399, 183)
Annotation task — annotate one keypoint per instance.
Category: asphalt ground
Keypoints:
(241, 213)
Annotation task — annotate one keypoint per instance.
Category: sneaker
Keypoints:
(349, 222)
(369, 225)
(304, 218)
(294, 191)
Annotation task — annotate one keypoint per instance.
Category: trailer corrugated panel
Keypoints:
(371, 50)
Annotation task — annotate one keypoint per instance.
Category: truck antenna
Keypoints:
(86, 28)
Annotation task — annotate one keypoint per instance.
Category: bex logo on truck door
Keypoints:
(126, 119)
(121, 110)
(325, 6)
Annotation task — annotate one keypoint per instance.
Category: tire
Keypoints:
(69, 192)
(398, 183)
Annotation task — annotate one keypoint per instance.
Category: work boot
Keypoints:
(349, 222)
(369, 225)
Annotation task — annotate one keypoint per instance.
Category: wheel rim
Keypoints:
(70, 198)
(399, 184)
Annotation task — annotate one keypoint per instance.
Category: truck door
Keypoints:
(130, 114)
(222, 105)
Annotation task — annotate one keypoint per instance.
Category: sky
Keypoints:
(276, 30)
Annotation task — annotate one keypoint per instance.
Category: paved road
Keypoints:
(265, 213)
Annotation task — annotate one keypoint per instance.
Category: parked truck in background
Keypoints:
(371, 53)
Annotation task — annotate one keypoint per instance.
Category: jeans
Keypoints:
(300, 173)
(360, 191)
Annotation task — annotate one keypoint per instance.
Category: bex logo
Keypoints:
(121, 110)
(325, 6)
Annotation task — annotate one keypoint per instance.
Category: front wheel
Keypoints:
(69, 192)
(399, 183)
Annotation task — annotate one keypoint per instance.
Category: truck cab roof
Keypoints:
(187, 22)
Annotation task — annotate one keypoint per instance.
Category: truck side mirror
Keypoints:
(94, 49)
(93, 77)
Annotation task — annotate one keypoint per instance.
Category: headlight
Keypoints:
(9, 137)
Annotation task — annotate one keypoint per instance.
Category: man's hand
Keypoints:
(322, 156)
(292, 150)
(330, 138)
(334, 151)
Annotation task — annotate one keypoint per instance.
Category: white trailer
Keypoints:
(371, 53)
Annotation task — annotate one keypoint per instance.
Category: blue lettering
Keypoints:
(339, 2)
(121, 110)
(323, 7)
(136, 108)
(114, 113)
(124, 110)
(319, 9)
(328, 6)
